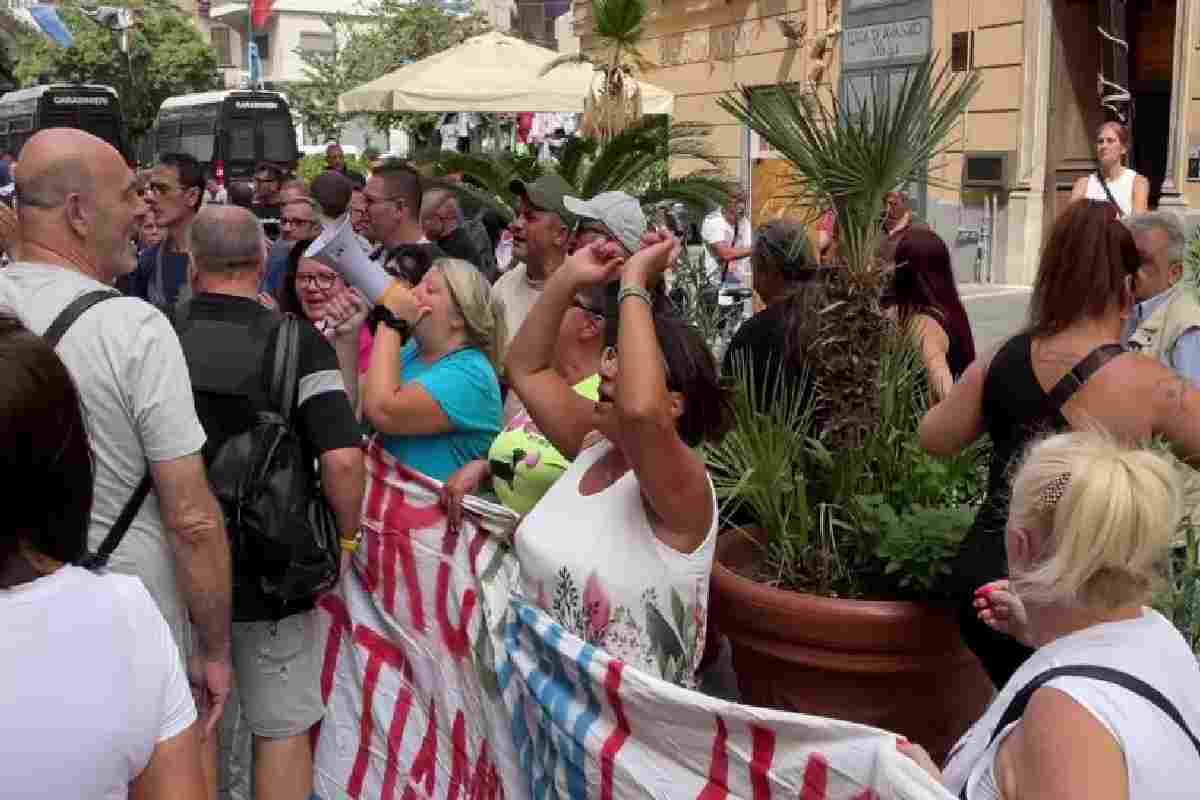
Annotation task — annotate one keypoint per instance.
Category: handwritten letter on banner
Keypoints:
(443, 683)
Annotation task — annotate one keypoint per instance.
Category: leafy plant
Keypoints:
(314, 164)
(915, 545)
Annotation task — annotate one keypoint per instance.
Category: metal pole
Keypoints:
(249, 43)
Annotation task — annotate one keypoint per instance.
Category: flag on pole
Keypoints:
(260, 12)
(46, 18)
(255, 66)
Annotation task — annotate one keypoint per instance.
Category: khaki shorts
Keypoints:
(278, 675)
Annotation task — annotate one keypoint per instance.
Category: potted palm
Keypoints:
(824, 603)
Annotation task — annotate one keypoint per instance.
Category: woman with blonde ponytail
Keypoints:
(435, 400)
(1108, 705)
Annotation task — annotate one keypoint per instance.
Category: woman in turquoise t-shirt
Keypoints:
(435, 400)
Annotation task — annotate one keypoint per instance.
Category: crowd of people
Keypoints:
(565, 387)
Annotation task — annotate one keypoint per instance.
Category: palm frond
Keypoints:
(619, 22)
(698, 191)
(848, 154)
(574, 156)
(559, 61)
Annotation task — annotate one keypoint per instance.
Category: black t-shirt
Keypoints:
(761, 342)
(323, 416)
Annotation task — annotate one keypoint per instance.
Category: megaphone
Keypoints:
(340, 249)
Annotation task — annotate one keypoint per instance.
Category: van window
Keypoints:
(241, 140)
(196, 139)
(279, 140)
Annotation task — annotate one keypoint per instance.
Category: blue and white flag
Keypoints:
(46, 19)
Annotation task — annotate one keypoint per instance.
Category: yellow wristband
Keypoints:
(350, 545)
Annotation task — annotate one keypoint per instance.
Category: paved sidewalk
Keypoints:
(996, 311)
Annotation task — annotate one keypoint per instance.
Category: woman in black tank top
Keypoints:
(1083, 284)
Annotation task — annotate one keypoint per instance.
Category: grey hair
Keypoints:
(1166, 222)
(226, 239)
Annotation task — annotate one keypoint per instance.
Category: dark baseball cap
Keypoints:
(546, 193)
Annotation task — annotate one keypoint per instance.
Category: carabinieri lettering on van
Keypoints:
(255, 104)
(80, 101)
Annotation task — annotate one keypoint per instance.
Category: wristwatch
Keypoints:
(382, 313)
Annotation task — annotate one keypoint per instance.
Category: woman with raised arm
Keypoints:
(620, 549)
(1108, 705)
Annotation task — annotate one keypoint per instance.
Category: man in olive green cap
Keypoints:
(540, 233)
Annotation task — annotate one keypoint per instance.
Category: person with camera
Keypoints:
(240, 356)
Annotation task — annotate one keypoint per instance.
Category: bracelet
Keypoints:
(634, 291)
(351, 545)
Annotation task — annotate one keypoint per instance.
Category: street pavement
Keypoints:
(996, 312)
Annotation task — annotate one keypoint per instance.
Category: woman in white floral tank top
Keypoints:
(620, 549)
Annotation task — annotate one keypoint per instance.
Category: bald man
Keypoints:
(77, 212)
(229, 342)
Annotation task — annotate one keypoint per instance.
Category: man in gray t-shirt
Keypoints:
(77, 208)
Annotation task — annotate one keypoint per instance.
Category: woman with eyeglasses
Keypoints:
(431, 390)
(1066, 371)
(619, 550)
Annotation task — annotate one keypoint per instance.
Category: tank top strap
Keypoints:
(1078, 375)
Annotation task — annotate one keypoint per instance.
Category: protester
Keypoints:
(1165, 323)
(924, 300)
(97, 701)
(229, 341)
(726, 235)
(1088, 538)
(436, 399)
(393, 203)
(241, 193)
(332, 191)
(1113, 182)
(637, 500)
(609, 216)
(149, 235)
(77, 211)
(772, 345)
(174, 193)
(292, 189)
(268, 180)
(298, 222)
(358, 214)
(1066, 370)
(441, 219)
(335, 161)
(540, 236)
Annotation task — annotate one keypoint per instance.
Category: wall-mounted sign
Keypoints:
(886, 42)
(860, 5)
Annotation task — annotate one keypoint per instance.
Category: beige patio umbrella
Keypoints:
(491, 72)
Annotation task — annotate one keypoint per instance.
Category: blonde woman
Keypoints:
(1089, 532)
(431, 390)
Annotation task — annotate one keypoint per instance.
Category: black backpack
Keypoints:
(283, 535)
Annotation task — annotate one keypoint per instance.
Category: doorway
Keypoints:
(1151, 26)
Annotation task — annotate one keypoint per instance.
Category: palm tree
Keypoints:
(615, 103)
(634, 161)
(847, 156)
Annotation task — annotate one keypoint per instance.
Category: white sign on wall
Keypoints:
(886, 42)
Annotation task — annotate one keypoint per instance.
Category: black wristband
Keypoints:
(382, 313)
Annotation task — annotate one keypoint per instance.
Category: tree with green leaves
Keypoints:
(167, 56)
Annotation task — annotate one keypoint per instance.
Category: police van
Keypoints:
(228, 132)
(90, 107)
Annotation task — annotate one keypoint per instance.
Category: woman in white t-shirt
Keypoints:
(1130, 190)
(1089, 531)
(96, 701)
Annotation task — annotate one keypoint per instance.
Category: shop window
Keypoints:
(221, 46)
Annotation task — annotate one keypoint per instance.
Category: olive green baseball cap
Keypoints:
(546, 193)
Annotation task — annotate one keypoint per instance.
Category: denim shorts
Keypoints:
(278, 673)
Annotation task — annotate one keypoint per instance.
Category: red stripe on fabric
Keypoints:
(426, 761)
(616, 739)
(456, 637)
(388, 588)
(717, 787)
(460, 764)
(382, 651)
(867, 794)
(816, 778)
(339, 624)
(760, 764)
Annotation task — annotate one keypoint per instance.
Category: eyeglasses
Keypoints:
(369, 201)
(587, 309)
(158, 187)
(265, 180)
(287, 222)
(321, 280)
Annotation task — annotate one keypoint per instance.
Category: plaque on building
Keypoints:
(889, 41)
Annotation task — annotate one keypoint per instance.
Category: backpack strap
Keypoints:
(1074, 380)
(116, 533)
(283, 372)
(74, 310)
(1016, 707)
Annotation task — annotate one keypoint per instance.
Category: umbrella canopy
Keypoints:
(491, 72)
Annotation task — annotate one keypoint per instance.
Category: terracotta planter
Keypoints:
(896, 665)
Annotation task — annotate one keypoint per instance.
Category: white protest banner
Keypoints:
(442, 682)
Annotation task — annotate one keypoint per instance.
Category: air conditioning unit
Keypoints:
(988, 169)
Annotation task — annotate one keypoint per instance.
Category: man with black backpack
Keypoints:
(270, 396)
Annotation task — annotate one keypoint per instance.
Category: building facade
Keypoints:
(1026, 136)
